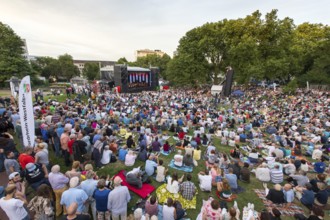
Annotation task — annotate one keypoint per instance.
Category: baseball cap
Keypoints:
(30, 166)
(12, 175)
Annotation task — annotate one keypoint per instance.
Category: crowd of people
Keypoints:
(283, 140)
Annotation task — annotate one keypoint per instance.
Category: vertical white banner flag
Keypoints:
(26, 111)
(12, 89)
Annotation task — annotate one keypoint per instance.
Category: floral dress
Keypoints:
(42, 207)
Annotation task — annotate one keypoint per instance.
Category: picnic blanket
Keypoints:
(286, 211)
(165, 153)
(183, 168)
(144, 192)
(163, 194)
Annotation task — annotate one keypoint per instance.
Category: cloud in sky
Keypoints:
(110, 29)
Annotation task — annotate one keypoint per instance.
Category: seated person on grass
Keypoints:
(205, 181)
(245, 173)
(216, 174)
(263, 173)
(224, 190)
(173, 183)
(134, 178)
(305, 195)
(232, 179)
(212, 158)
(188, 160)
(178, 159)
(166, 147)
(188, 188)
(161, 172)
(275, 195)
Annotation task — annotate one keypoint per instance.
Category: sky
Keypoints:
(111, 29)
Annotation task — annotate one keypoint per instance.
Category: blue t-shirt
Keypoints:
(74, 195)
(319, 167)
(232, 180)
(150, 167)
(101, 198)
(307, 197)
(122, 154)
(288, 195)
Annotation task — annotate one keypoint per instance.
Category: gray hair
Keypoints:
(56, 169)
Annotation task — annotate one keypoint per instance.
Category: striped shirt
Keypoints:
(276, 176)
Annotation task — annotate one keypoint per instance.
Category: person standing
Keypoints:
(64, 146)
(89, 186)
(14, 207)
(41, 204)
(58, 181)
(101, 197)
(74, 195)
(11, 163)
(118, 199)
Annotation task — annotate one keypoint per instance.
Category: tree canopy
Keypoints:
(256, 48)
(91, 71)
(12, 61)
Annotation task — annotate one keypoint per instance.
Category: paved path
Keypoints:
(3, 182)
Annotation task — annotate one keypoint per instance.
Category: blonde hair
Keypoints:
(41, 146)
(75, 164)
(88, 167)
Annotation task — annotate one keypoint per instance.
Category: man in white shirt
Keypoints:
(263, 173)
(178, 159)
(317, 153)
(205, 181)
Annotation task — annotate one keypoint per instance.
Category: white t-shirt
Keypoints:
(317, 154)
(130, 159)
(168, 212)
(172, 187)
(178, 160)
(160, 174)
(263, 174)
(205, 182)
(106, 157)
(13, 208)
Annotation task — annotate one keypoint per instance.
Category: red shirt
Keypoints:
(24, 159)
(166, 147)
(181, 135)
(70, 143)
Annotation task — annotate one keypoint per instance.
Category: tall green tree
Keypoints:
(122, 60)
(46, 67)
(185, 69)
(91, 71)
(154, 60)
(320, 70)
(67, 69)
(12, 61)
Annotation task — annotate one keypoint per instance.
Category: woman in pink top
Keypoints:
(211, 210)
(216, 174)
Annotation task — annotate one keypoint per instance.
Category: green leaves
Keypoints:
(12, 61)
(91, 71)
(255, 47)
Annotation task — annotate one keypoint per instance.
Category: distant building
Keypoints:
(146, 52)
(106, 67)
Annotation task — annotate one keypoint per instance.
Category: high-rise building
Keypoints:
(146, 52)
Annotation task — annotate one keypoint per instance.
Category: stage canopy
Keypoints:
(137, 69)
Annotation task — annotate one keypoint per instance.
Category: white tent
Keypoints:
(216, 89)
